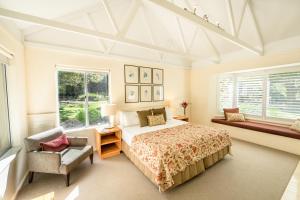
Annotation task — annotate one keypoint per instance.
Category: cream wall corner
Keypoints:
(16, 84)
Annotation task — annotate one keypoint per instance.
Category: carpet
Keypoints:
(253, 172)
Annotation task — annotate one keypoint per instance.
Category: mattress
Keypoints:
(129, 132)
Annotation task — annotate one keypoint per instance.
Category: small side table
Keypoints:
(108, 142)
(181, 117)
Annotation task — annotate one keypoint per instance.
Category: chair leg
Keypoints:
(92, 158)
(30, 178)
(67, 179)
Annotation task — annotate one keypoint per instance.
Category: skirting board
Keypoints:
(286, 144)
(20, 185)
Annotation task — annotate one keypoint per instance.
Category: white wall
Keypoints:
(41, 87)
(204, 95)
(17, 106)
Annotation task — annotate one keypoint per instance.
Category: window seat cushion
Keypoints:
(261, 127)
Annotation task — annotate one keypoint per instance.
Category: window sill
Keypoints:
(281, 130)
(8, 157)
(70, 131)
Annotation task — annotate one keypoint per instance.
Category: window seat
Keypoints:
(261, 127)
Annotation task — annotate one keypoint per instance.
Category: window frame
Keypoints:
(61, 68)
(4, 65)
(264, 72)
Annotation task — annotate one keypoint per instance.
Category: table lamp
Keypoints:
(109, 110)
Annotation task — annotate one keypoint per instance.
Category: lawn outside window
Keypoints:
(80, 97)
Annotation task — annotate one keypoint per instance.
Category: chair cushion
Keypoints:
(32, 143)
(56, 145)
(73, 156)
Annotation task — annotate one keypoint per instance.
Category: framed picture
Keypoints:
(158, 93)
(145, 75)
(131, 74)
(158, 76)
(145, 93)
(131, 93)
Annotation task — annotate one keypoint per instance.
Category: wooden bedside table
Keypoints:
(108, 142)
(181, 117)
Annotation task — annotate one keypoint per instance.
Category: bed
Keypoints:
(175, 152)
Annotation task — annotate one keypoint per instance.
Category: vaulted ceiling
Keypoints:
(172, 32)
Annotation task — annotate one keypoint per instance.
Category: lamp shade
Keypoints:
(108, 109)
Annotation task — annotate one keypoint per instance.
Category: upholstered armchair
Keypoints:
(56, 162)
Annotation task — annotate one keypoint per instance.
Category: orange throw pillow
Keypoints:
(230, 110)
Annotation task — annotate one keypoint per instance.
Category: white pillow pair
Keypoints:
(132, 119)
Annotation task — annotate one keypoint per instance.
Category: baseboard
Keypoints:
(20, 185)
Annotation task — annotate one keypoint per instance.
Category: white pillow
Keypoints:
(169, 113)
(129, 119)
(296, 125)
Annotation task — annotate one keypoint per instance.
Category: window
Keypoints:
(284, 95)
(267, 94)
(5, 142)
(80, 96)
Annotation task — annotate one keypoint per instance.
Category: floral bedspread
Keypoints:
(168, 151)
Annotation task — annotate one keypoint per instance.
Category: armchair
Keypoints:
(56, 162)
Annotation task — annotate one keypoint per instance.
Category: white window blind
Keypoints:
(225, 92)
(250, 94)
(284, 95)
(268, 94)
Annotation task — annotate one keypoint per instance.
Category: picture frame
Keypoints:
(157, 76)
(146, 93)
(158, 93)
(145, 75)
(131, 93)
(131, 74)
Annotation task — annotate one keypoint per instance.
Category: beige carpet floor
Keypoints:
(253, 172)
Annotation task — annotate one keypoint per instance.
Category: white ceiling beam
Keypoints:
(89, 52)
(146, 20)
(69, 17)
(242, 17)
(256, 25)
(194, 38)
(208, 26)
(230, 17)
(93, 24)
(213, 47)
(9, 14)
(181, 35)
(110, 16)
(180, 31)
(132, 13)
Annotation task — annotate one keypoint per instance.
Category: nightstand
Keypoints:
(108, 142)
(181, 117)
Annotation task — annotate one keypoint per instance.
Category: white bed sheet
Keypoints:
(129, 132)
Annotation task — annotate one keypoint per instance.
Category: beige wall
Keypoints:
(41, 85)
(17, 108)
(203, 91)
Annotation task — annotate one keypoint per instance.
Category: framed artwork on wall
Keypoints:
(145, 93)
(158, 93)
(131, 93)
(131, 74)
(145, 75)
(157, 76)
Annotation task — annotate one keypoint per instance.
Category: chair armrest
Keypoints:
(44, 161)
(78, 141)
